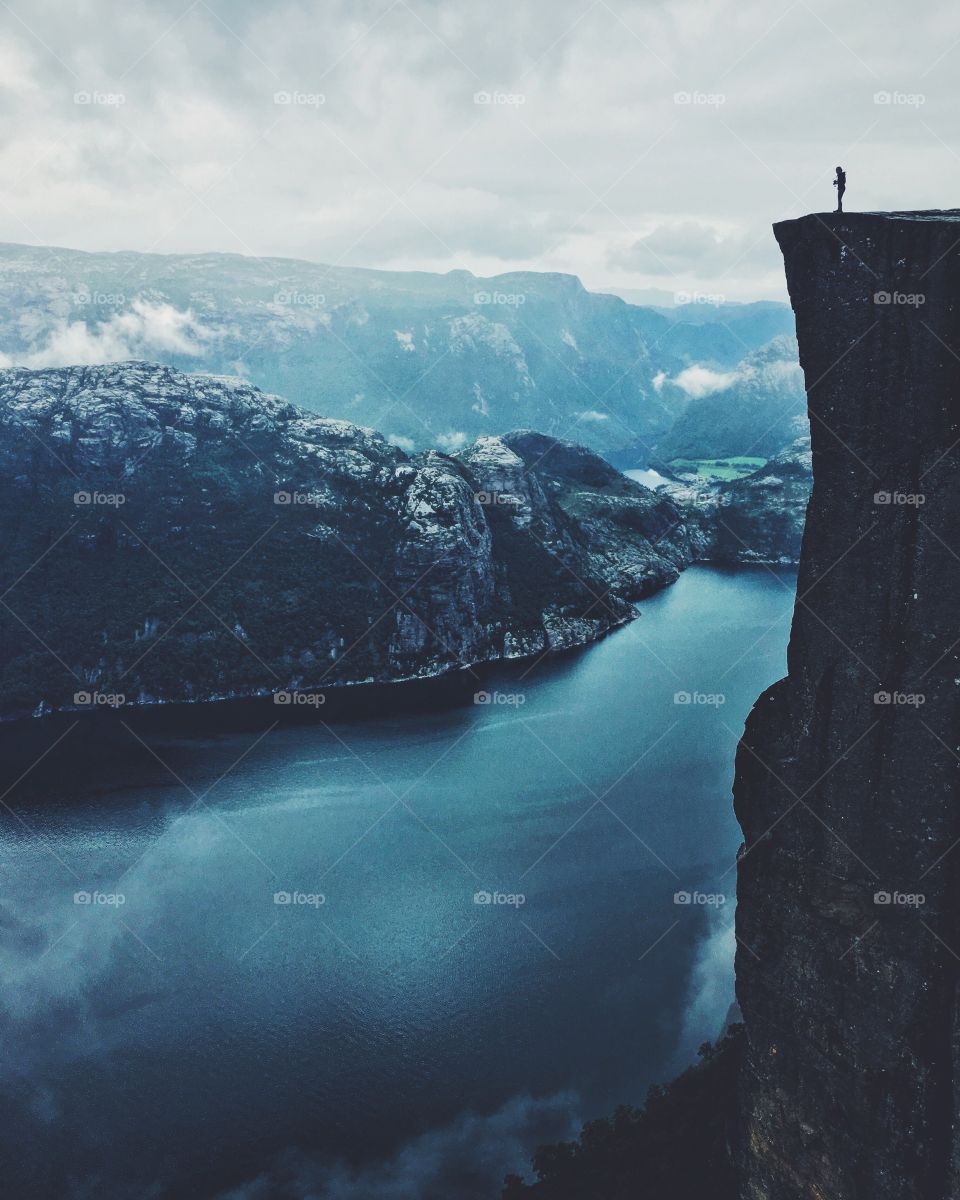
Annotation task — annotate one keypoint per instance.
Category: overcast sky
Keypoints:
(639, 145)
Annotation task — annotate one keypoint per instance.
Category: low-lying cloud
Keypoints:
(711, 989)
(144, 330)
(468, 1158)
(452, 441)
(701, 381)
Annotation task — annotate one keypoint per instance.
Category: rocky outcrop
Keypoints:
(174, 537)
(760, 517)
(679, 1146)
(572, 501)
(848, 923)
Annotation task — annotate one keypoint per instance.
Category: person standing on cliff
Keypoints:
(840, 183)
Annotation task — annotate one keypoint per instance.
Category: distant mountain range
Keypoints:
(430, 360)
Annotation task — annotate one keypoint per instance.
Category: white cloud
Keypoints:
(401, 442)
(599, 172)
(469, 1157)
(711, 989)
(591, 415)
(16, 67)
(142, 331)
(450, 442)
(701, 381)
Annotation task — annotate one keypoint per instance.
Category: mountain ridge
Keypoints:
(429, 359)
(140, 489)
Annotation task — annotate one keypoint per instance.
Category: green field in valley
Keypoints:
(717, 468)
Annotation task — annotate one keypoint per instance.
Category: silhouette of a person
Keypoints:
(840, 183)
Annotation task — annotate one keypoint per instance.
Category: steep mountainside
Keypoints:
(756, 409)
(848, 923)
(185, 537)
(431, 360)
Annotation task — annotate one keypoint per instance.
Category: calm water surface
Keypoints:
(199, 1036)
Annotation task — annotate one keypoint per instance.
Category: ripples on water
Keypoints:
(200, 1034)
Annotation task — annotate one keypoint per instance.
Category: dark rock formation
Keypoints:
(638, 540)
(172, 537)
(847, 776)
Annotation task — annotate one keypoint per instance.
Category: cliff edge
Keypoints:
(846, 787)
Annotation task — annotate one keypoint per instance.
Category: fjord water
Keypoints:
(183, 1032)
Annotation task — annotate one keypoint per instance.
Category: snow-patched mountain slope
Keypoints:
(184, 537)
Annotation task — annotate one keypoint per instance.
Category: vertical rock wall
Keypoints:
(848, 780)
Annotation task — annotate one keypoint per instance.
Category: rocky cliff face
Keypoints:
(571, 500)
(177, 537)
(847, 776)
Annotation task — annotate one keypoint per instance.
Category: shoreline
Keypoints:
(34, 749)
(344, 694)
